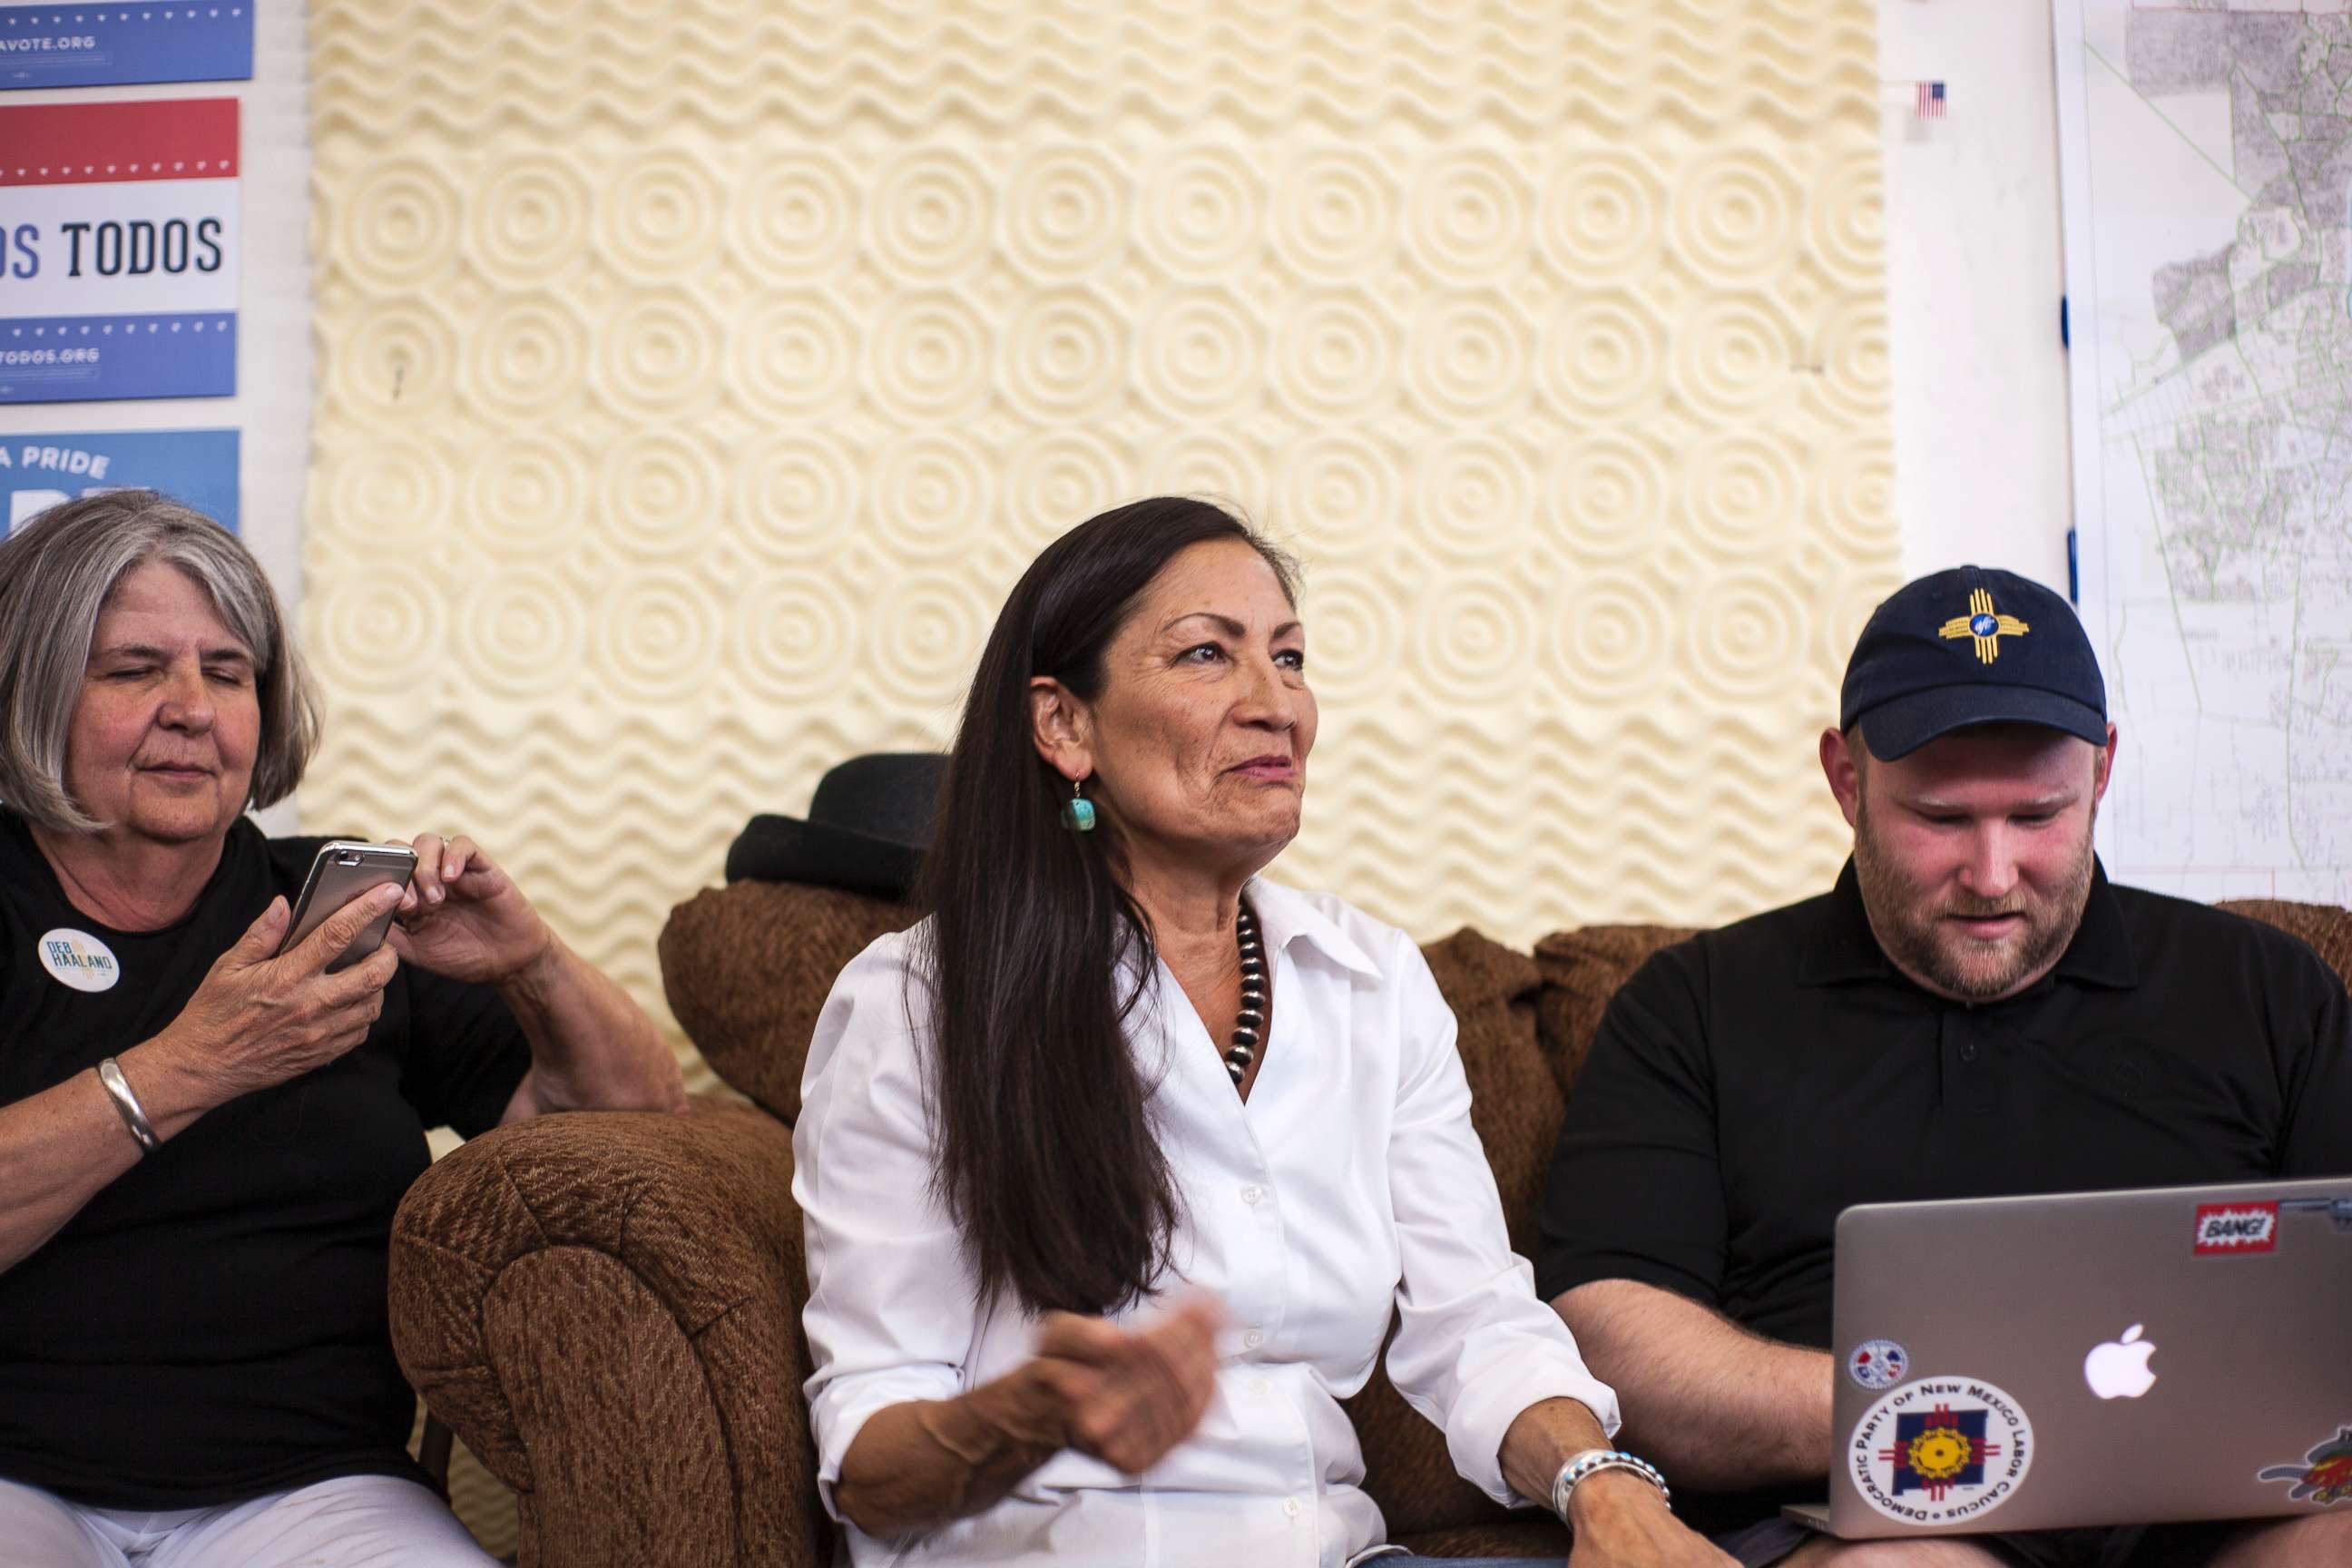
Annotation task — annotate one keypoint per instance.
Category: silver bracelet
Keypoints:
(126, 1105)
(1592, 1462)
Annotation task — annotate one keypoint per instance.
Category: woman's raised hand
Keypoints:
(1132, 1394)
(261, 1016)
(463, 917)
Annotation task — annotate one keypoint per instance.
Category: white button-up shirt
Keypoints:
(1349, 1185)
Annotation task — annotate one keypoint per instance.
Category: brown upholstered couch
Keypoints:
(606, 1307)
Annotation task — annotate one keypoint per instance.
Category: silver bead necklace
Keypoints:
(1249, 1023)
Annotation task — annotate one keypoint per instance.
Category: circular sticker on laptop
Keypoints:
(78, 959)
(1878, 1363)
(1941, 1451)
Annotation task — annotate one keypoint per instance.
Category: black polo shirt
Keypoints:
(212, 1325)
(1748, 1085)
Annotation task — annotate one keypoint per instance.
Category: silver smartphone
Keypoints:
(340, 872)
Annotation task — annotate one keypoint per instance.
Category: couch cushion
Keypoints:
(1581, 971)
(2325, 927)
(747, 968)
(1514, 1102)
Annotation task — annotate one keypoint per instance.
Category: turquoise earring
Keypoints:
(1079, 812)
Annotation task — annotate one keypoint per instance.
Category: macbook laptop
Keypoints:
(2092, 1358)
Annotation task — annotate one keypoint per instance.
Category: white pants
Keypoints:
(353, 1521)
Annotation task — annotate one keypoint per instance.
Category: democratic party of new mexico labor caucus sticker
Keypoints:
(1942, 1450)
(79, 960)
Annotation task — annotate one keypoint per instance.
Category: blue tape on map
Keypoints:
(106, 45)
(75, 359)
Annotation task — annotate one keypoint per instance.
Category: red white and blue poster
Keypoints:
(113, 45)
(118, 250)
(198, 467)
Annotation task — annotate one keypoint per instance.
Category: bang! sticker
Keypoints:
(2236, 1229)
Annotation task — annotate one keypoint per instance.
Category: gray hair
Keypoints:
(56, 574)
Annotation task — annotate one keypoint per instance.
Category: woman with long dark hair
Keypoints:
(1116, 1168)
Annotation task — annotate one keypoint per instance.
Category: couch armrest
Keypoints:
(606, 1307)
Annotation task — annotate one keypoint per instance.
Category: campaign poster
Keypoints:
(116, 45)
(198, 467)
(118, 250)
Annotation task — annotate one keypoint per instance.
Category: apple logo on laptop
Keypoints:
(2118, 1369)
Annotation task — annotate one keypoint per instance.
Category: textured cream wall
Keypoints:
(695, 376)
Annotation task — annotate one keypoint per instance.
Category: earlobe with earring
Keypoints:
(1079, 812)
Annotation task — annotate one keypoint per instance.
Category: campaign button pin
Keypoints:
(78, 959)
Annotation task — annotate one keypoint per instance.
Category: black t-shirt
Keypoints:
(212, 1325)
(1745, 1086)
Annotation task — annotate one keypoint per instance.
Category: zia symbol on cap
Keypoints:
(1987, 625)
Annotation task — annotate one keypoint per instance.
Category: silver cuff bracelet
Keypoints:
(126, 1105)
(1594, 1461)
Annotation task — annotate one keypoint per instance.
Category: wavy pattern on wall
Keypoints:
(694, 379)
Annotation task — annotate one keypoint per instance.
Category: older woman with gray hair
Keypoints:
(202, 1137)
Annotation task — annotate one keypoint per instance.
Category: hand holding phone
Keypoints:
(340, 872)
(268, 1011)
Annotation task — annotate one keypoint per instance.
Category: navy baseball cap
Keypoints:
(1970, 647)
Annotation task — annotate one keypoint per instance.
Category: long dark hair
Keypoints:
(1046, 1156)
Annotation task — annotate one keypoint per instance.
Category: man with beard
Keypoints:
(1972, 1011)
